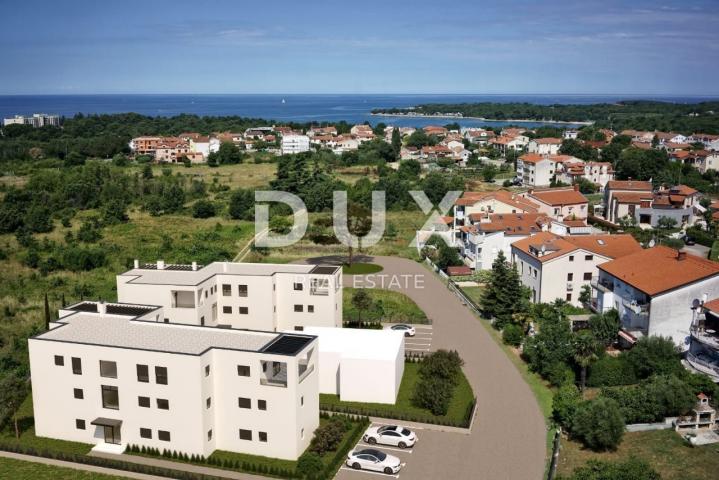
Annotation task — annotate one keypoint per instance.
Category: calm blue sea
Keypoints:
(297, 108)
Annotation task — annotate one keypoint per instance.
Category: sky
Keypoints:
(390, 46)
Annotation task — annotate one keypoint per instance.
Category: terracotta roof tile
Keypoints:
(561, 196)
(629, 185)
(608, 246)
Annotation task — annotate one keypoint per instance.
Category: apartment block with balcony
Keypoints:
(654, 290)
(555, 267)
(703, 354)
(238, 295)
(115, 374)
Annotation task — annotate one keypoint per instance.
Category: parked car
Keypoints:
(689, 240)
(407, 329)
(375, 460)
(395, 435)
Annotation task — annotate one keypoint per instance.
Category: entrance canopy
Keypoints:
(106, 422)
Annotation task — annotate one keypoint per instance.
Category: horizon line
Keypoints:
(663, 94)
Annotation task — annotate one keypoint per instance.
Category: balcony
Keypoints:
(274, 374)
(602, 284)
(704, 364)
(637, 308)
(320, 286)
(707, 337)
(570, 286)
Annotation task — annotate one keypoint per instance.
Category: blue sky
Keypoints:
(390, 46)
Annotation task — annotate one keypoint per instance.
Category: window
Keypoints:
(263, 436)
(242, 290)
(297, 286)
(302, 401)
(206, 294)
(244, 402)
(569, 297)
(587, 275)
(143, 402)
(302, 433)
(78, 393)
(207, 370)
(589, 257)
(244, 310)
(262, 404)
(243, 370)
(571, 258)
(163, 404)
(226, 309)
(166, 320)
(299, 328)
(80, 424)
(163, 435)
(76, 366)
(110, 397)
(245, 434)
(310, 309)
(208, 402)
(108, 369)
(161, 375)
(145, 433)
(226, 290)
(59, 360)
(143, 373)
(209, 435)
(570, 277)
(298, 308)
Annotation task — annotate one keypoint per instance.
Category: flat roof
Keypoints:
(171, 275)
(358, 343)
(123, 332)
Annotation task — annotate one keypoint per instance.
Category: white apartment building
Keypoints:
(561, 203)
(295, 144)
(654, 290)
(555, 267)
(37, 120)
(254, 296)
(113, 375)
(544, 146)
(535, 170)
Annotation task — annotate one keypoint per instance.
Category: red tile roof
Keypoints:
(510, 223)
(608, 246)
(660, 269)
(458, 271)
(560, 196)
(548, 141)
(533, 158)
(629, 185)
(503, 196)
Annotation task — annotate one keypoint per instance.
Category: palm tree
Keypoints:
(585, 353)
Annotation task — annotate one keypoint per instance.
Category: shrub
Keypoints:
(309, 463)
(434, 394)
(203, 209)
(443, 364)
(610, 371)
(328, 436)
(598, 424)
(512, 335)
(654, 355)
(630, 469)
(565, 403)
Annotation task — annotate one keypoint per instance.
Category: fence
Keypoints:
(555, 455)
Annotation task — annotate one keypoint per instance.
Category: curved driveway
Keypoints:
(509, 434)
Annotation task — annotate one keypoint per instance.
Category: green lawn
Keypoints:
(474, 293)
(361, 268)
(396, 307)
(662, 449)
(403, 408)
(21, 470)
(28, 438)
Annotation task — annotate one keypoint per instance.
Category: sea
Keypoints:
(352, 108)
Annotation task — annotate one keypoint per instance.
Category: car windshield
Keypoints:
(406, 432)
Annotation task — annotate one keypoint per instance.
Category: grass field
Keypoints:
(396, 307)
(403, 408)
(665, 451)
(20, 470)
(361, 268)
(244, 175)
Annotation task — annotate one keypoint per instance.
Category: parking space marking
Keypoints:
(345, 467)
(383, 447)
(418, 344)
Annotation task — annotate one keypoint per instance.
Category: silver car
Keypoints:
(375, 460)
(394, 435)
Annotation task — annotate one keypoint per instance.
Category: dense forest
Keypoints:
(635, 114)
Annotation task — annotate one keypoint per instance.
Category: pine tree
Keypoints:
(492, 295)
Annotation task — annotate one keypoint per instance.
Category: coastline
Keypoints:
(462, 117)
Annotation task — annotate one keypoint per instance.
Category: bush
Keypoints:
(512, 335)
(443, 364)
(609, 371)
(328, 436)
(654, 355)
(309, 463)
(630, 469)
(203, 209)
(565, 403)
(599, 424)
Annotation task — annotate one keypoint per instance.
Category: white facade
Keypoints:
(295, 144)
(535, 172)
(37, 120)
(114, 377)
(240, 295)
(543, 146)
(360, 365)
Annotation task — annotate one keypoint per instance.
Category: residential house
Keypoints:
(623, 197)
(544, 146)
(679, 203)
(570, 134)
(171, 150)
(322, 131)
(435, 130)
(703, 354)
(479, 136)
(113, 375)
(560, 203)
(571, 169)
(500, 201)
(144, 145)
(654, 291)
(345, 144)
(535, 170)
(555, 267)
(295, 144)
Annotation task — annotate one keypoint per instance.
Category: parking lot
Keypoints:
(404, 455)
(422, 340)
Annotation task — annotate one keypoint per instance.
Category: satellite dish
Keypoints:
(696, 303)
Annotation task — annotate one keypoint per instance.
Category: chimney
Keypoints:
(160, 264)
(681, 255)
(101, 307)
(194, 266)
(136, 263)
(576, 187)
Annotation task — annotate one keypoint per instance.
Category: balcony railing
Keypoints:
(636, 307)
(602, 284)
(708, 338)
(704, 364)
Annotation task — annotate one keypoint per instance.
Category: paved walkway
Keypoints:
(508, 439)
(79, 466)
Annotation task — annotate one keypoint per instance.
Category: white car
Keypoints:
(371, 459)
(407, 329)
(395, 435)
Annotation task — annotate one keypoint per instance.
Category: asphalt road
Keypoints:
(508, 438)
